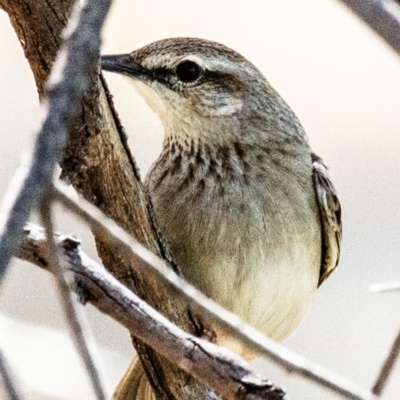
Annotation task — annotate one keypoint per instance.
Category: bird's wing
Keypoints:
(330, 213)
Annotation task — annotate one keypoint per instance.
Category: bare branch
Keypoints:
(394, 353)
(77, 323)
(66, 86)
(213, 365)
(385, 287)
(387, 367)
(9, 383)
(383, 16)
(157, 271)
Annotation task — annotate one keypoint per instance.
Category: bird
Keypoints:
(248, 210)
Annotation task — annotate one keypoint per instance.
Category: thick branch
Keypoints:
(218, 368)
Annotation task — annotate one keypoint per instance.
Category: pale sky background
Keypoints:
(341, 80)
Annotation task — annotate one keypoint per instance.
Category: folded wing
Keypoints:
(330, 213)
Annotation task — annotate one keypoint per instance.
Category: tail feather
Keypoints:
(134, 385)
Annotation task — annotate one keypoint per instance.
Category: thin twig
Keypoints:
(157, 270)
(387, 367)
(211, 364)
(383, 16)
(77, 58)
(385, 287)
(78, 327)
(7, 377)
(394, 353)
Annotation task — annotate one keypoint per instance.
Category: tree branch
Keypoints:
(78, 326)
(383, 16)
(387, 367)
(218, 368)
(394, 352)
(66, 86)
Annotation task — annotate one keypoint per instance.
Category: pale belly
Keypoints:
(268, 287)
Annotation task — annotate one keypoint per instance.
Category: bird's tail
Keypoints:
(134, 385)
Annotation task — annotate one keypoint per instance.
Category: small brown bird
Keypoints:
(250, 213)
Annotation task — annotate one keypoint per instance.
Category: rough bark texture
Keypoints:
(215, 366)
(98, 163)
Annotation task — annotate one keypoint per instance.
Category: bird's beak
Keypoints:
(123, 64)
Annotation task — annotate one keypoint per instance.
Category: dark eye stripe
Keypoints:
(162, 73)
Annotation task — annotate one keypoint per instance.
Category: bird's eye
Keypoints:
(188, 71)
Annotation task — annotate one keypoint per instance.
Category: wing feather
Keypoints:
(331, 218)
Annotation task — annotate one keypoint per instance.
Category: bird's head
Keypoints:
(198, 87)
(188, 81)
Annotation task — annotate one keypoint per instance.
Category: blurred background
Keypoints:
(341, 80)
